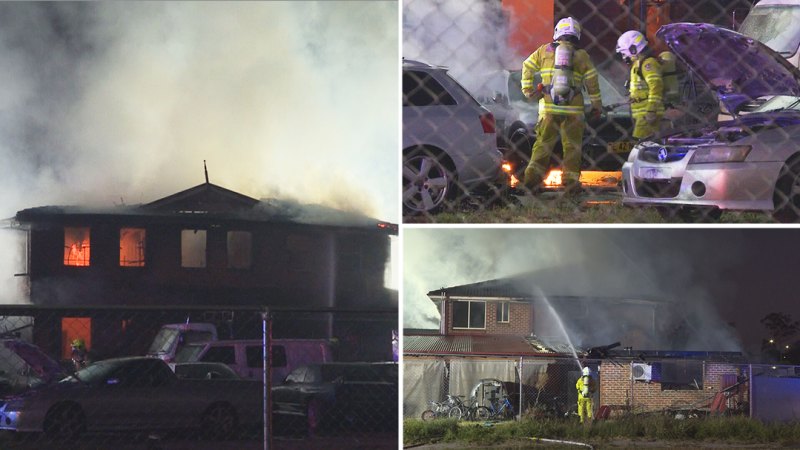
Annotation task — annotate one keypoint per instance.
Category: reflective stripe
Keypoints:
(562, 109)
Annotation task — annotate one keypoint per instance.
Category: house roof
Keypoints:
(575, 281)
(474, 345)
(211, 202)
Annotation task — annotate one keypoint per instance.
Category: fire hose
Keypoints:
(559, 441)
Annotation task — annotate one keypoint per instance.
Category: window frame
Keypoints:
(469, 315)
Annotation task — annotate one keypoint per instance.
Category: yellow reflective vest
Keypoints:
(646, 87)
(584, 74)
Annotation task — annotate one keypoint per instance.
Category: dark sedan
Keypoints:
(339, 397)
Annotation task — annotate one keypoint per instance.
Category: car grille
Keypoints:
(669, 154)
(658, 189)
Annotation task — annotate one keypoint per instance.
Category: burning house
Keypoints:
(534, 331)
(204, 246)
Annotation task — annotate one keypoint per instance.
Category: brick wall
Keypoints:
(618, 391)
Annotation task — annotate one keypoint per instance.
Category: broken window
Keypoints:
(502, 311)
(77, 250)
(193, 248)
(469, 314)
(131, 247)
(679, 375)
(240, 249)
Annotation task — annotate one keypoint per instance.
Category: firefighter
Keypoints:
(564, 70)
(586, 387)
(646, 83)
(80, 356)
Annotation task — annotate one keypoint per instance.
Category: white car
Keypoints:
(749, 163)
(449, 141)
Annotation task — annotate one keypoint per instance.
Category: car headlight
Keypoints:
(720, 154)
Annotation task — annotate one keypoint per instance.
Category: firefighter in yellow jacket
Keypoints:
(646, 83)
(564, 70)
(586, 387)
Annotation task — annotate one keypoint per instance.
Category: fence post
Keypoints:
(266, 378)
(521, 399)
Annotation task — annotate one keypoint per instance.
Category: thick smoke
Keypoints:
(656, 264)
(109, 103)
(469, 37)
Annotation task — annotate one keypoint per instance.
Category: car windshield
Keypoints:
(779, 103)
(774, 26)
(96, 373)
(163, 341)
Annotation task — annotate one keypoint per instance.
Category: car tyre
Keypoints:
(428, 415)
(219, 421)
(787, 194)
(428, 183)
(64, 422)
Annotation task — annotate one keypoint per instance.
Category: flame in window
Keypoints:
(77, 248)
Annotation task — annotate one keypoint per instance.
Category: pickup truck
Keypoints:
(137, 394)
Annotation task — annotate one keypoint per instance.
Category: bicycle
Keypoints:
(447, 408)
(505, 411)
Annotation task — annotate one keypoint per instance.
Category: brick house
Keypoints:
(502, 328)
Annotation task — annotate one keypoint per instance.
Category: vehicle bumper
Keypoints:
(735, 186)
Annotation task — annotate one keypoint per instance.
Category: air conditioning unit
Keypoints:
(642, 371)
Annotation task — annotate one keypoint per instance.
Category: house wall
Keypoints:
(519, 323)
(291, 266)
(618, 391)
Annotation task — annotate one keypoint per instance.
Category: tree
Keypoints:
(781, 336)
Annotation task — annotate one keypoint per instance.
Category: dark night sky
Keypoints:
(723, 275)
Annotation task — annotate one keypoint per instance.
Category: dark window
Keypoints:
(679, 375)
(225, 355)
(278, 356)
(255, 356)
(469, 314)
(502, 311)
(421, 89)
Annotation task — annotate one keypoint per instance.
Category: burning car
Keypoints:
(749, 163)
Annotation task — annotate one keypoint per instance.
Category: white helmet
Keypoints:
(631, 43)
(567, 26)
(587, 371)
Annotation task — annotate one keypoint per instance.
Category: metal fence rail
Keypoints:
(451, 167)
(95, 377)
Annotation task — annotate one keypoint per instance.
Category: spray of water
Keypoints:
(540, 294)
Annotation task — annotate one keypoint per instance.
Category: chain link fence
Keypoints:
(463, 60)
(540, 388)
(197, 378)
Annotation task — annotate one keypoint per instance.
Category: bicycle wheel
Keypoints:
(482, 413)
(454, 413)
(428, 415)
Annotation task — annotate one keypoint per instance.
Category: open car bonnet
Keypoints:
(41, 365)
(740, 69)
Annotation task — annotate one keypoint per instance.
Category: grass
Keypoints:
(732, 430)
(552, 207)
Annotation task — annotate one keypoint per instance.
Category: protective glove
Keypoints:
(585, 391)
(595, 115)
(534, 94)
(650, 117)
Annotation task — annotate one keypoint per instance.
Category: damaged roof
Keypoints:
(209, 201)
(574, 280)
(475, 345)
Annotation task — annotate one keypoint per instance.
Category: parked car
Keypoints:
(339, 397)
(449, 141)
(136, 394)
(24, 366)
(173, 336)
(204, 371)
(245, 356)
(749, 163)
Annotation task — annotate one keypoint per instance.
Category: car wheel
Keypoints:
(427, 182)
(428, 415)
(787, 194)
(219, 421)
(64, 422)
